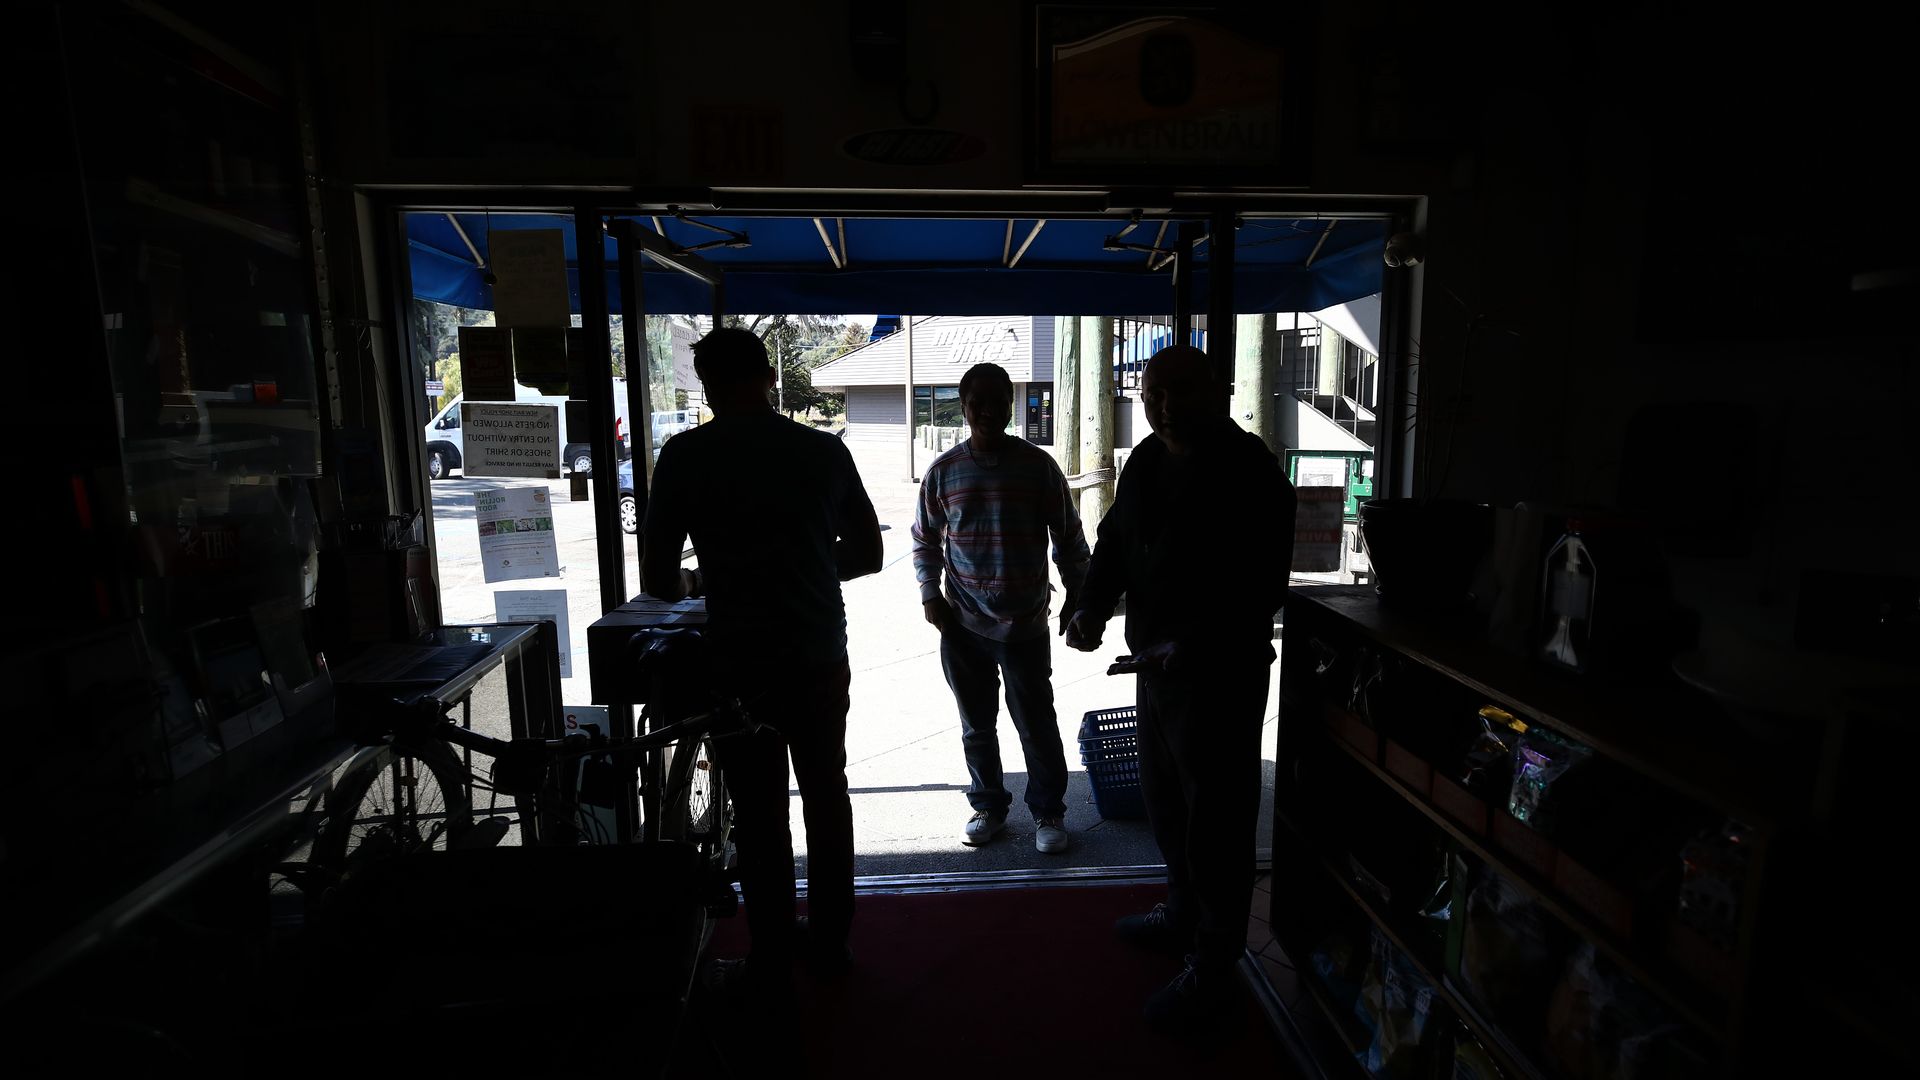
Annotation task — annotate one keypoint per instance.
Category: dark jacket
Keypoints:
(1200, 548)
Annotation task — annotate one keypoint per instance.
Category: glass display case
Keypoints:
(194, 186)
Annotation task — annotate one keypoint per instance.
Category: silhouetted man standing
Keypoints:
(1199, 539)
(778, 519)
(987, 509)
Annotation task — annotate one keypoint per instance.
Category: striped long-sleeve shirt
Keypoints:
(985, 520)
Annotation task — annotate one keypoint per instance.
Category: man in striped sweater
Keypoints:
(987, 508)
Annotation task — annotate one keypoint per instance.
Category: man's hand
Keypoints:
(1083, 632)
(937, 612)
(1163, 658)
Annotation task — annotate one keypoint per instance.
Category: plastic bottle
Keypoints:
(1566, 596)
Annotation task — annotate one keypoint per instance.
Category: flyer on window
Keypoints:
(516, 533)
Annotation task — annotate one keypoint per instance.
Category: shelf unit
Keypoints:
(1600, 717)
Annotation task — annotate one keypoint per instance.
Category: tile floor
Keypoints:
(1288, 984)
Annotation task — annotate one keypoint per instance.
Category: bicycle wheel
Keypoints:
(695, 808)
(415, 799)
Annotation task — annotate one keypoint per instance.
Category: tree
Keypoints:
(448, 372)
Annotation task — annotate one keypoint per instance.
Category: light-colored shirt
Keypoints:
(984, 522)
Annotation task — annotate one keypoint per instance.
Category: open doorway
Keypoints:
(1071, 307)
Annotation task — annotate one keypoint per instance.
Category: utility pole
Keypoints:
(1256, 377)
(1096, 416)
(906, 327)
(1066, 392)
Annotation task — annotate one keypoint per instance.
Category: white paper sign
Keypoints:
(510, 440)
(535, 605)
(1321, 472)
(516, 533)
(530, 277)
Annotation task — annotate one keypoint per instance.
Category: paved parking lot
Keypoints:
(903, 735)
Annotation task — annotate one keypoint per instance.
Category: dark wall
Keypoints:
(1650, 220)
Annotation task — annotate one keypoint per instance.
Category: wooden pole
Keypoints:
(1066, 392)
(906, 327)
(1096, 416)
(1256, 377)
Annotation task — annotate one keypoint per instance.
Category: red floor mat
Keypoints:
(983, 984)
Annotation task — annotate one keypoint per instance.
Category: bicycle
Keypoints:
(411, 793)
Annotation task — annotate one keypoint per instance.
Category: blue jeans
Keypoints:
(974, 666)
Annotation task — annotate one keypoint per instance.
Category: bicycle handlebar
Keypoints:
(727, 719)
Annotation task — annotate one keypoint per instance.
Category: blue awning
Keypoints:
(932, 266)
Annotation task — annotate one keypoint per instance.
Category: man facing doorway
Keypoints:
(987, 509)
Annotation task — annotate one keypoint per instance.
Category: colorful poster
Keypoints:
(538, 605)
(516, 533)
(511, 440)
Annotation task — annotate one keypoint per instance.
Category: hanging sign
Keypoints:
(486, 363)
(530, 278)
(510, 440)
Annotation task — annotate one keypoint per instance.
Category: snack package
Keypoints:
(1713, 874)
(1602, 1026)
(1394, 1005)
(1511, 953)
(1541, 758)
(1487, 769)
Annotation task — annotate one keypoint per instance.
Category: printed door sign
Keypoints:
(516, 533)
(511, 440)
(539, 605)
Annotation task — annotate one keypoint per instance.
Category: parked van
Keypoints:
(670, 423)
(445, 445)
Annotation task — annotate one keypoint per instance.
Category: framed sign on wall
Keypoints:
(1166, 94)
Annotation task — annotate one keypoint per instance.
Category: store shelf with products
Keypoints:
(1327, 896)
(1665, 976)
(1432, 967)
(1623, 721)
(1603, 888)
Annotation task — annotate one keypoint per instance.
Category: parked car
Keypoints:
(629, 504)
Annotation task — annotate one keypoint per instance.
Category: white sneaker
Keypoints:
(1050, 836)
(983, 826)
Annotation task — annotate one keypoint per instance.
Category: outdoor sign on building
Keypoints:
(510, 440)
